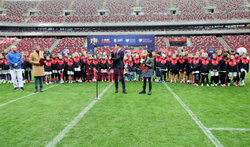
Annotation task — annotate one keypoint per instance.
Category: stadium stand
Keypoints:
(122, 11)
(6, 42)
(27, 44)
(237, 41)
(72, 44)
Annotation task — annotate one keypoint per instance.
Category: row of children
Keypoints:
(222, 67)
(182, 67)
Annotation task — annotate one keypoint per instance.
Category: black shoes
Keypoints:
(142, 92)
(41, 90)
(21, 88)
(149, 93)
(125, 92)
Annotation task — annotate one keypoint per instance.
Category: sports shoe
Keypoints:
(149, 93)
(208, 85)
(22, 88)
(202, 85)
(242, 84)
(212, 85)
(142, 92)
(15, 89)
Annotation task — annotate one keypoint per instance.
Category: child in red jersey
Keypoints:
(131, 69)
(137, 64)
(196, 65)
(237, 59)
(158, 73)
(163, 67)
(83, 68)
(60, 67)
(48, 70)
(183, 64)
(103, 66)
(244, 68)
(232, 68)
(95, 65)
(205, 68)
(54, 60)
(77, 68)
(110, 66)
(174, 68)
(169, 58)
(215, 67)
(223, 69)
(89, 69)
(28, 67)
(70, 69)
(5, 70)
(189, 74)
(65, 72)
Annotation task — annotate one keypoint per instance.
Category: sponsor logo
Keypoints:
(94, 41)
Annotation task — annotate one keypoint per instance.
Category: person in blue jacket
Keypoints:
(15, 59)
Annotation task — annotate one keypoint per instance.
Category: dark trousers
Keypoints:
(203, 77)
(223, 76)
(214, 79)
(163, 75)
(40, 79)
(197, 78)
(118, 75)
(242, 75)
(145, 83)
(27, 75)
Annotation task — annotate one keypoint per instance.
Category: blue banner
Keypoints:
(131, 40)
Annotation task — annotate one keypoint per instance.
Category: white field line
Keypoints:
(230, 129)
(207, 132)
(11, 101)
(61, 134)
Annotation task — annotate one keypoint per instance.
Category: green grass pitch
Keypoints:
(124, 120)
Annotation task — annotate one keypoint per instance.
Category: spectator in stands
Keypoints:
(47, 53)
(15, 60)
(38, 69)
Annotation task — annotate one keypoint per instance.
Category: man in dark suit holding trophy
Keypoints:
(117, 57)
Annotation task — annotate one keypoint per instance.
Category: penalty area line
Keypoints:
(206, 131)
(229, 129)
(61, 134)
(11, 101)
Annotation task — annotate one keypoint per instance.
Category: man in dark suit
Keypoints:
(117, 57)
